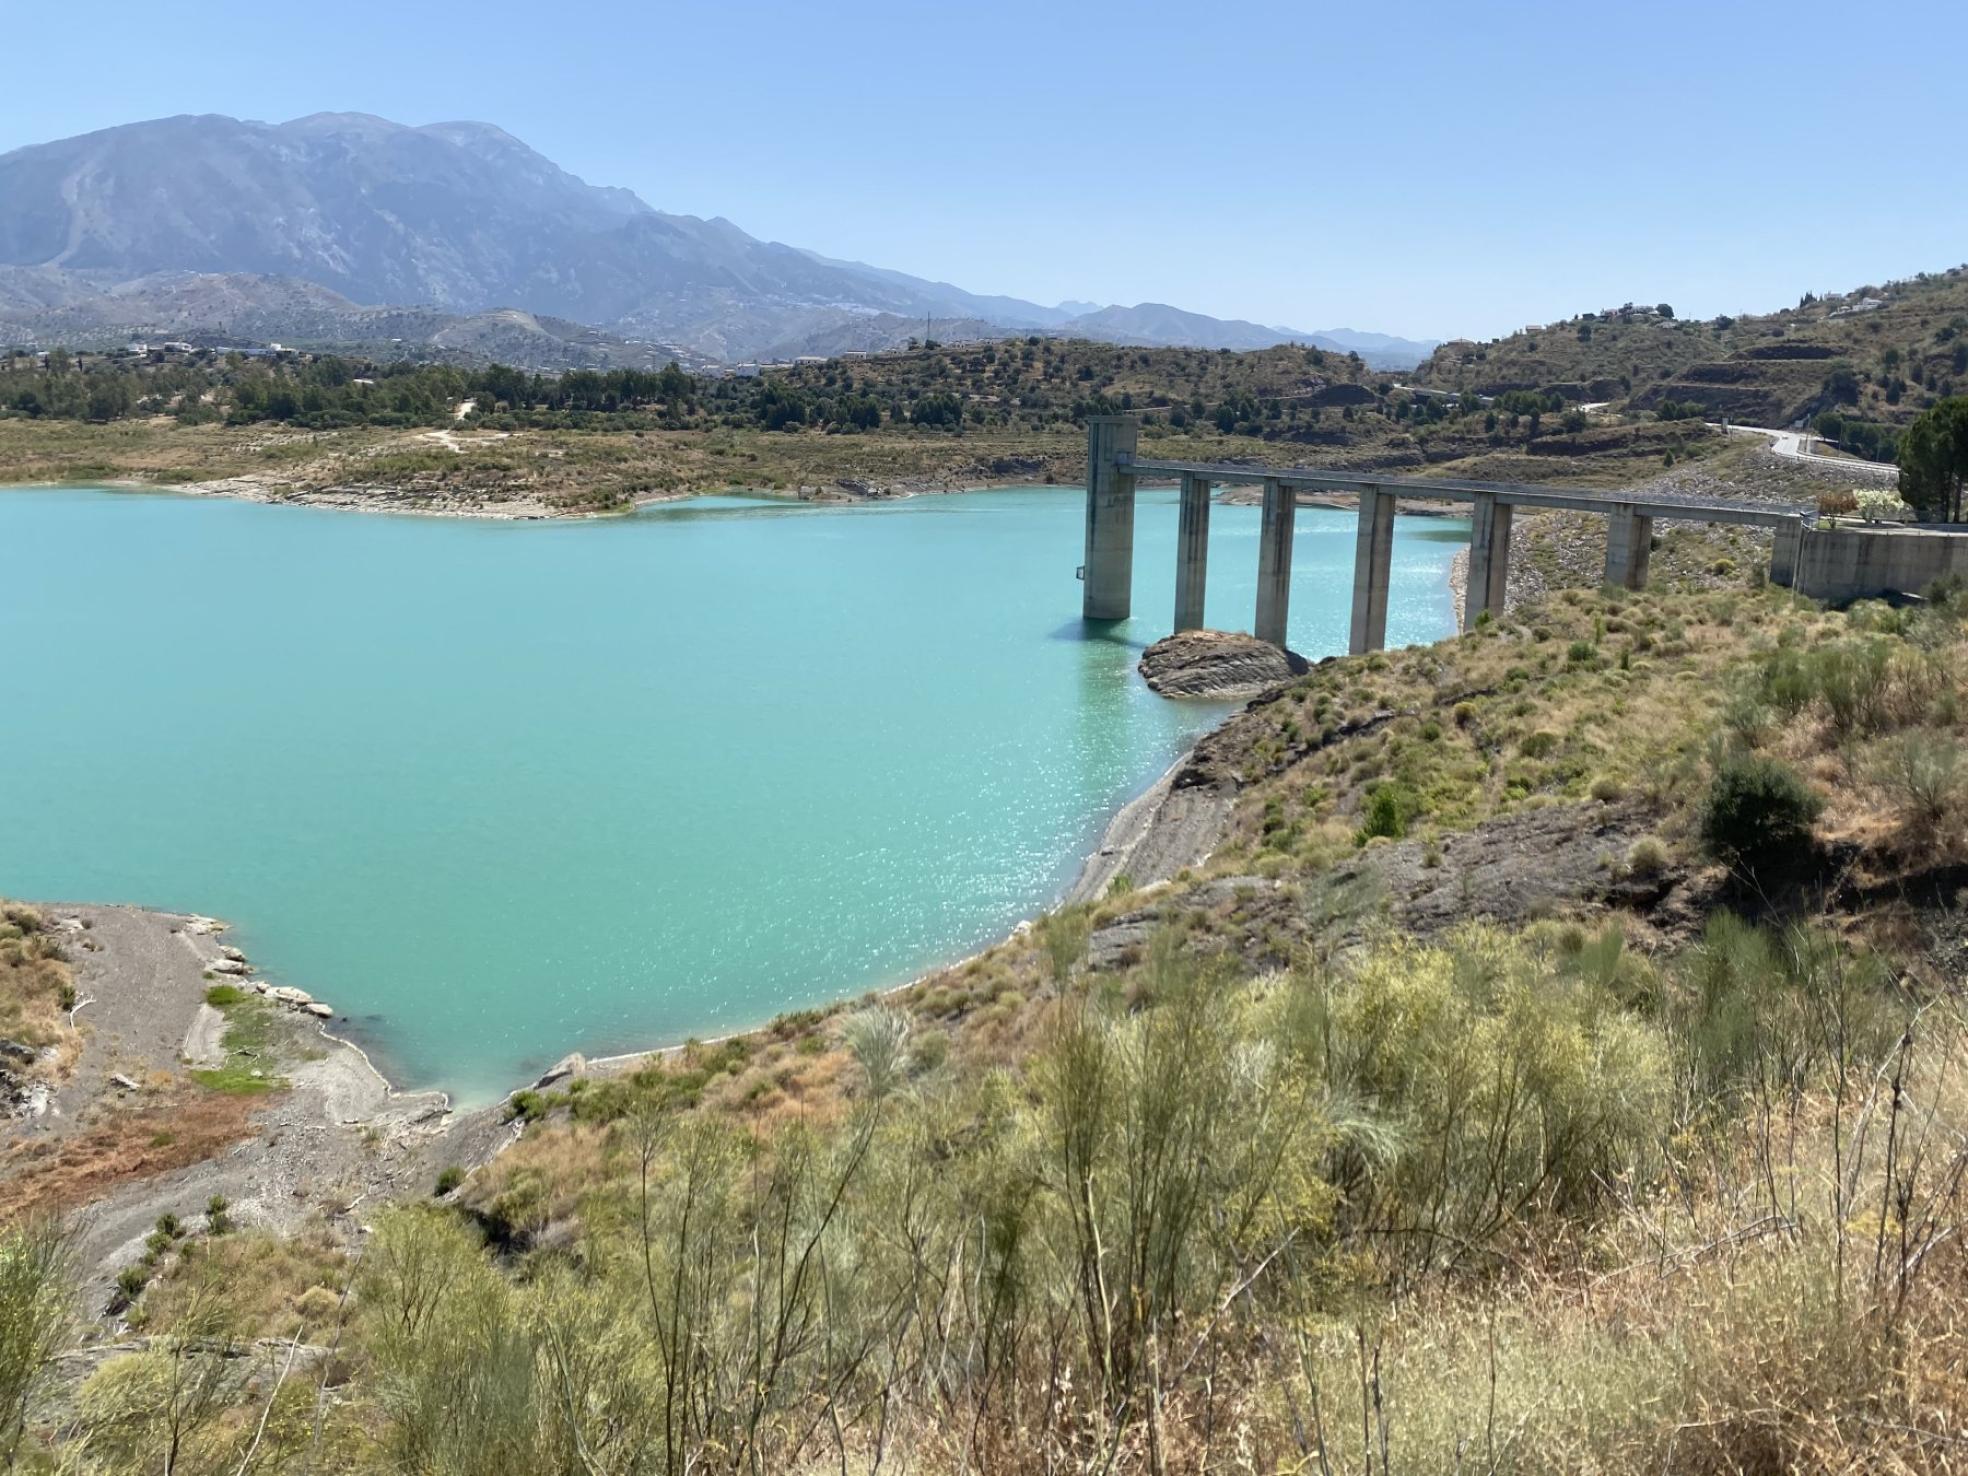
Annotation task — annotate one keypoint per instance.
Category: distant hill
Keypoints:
(1881, 353)
(214, 310)
(1158, 325)
(463, 219)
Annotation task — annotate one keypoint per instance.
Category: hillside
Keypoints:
(462, 218)
(358, 432)
(1546, 1052)
(1880, 354)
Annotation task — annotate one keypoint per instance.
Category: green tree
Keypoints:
(1934, 461)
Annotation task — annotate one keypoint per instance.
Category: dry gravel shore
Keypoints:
(132, 1134)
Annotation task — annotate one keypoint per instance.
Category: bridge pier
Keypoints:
(1489, 559)
(1629, 544)
(1274, 562)
(1109, 570)
(1192, 553)
(1373, 557)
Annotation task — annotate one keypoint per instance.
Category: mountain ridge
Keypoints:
(462, 218)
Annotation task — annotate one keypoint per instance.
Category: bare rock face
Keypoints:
(1218, 665)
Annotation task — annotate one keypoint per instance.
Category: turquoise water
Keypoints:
(498, 791)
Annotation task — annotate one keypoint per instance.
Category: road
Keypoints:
(1795, 444)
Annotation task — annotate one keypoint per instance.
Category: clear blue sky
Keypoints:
(1422, 168)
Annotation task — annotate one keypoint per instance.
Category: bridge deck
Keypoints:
(1515, 494)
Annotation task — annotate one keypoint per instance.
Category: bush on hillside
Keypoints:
(1759, 813)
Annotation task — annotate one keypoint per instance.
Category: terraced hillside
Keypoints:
(1878, 354)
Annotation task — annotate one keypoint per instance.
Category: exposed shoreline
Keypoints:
(336, 1135)
(394, 502)
(847, 492)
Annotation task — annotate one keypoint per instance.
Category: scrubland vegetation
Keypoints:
(1861, 367)
(591, 442)
(1266, 1168)
(37, 990)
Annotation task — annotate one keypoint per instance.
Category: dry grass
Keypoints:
(60, 1175)
(1791, 1306)
(37, 990)
(278, 1286)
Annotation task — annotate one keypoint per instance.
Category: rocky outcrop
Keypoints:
(1217, 665)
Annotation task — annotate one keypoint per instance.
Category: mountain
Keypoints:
(1157, 325)
(1399, 353)
(462, 218)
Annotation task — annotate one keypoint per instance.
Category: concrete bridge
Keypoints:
(1113, 468)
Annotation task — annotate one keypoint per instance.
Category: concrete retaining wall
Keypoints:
(1841, 564)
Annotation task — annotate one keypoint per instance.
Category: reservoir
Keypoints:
(498, 791)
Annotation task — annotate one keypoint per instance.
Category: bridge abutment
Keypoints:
(1785, 545)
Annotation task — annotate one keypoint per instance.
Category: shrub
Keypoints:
(1880, 505)
(928, 1051)
(37, 1317)
(131, 1281)
(1646, 857)
(1922, 771)
(1787, 683)
(526, 1105)
(1758, 814)
(450, 1178)
(1389, 809)
(1063, 936)
(1745, 716)
(1851, 678)
(1606, 789)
